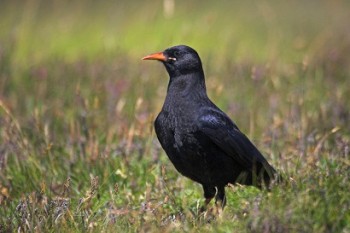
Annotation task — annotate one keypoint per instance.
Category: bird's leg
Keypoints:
(209, 193)
(220, 199)
(207, 201)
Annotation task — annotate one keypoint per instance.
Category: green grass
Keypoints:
(77, 146)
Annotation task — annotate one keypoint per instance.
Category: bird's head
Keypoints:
(178, 60)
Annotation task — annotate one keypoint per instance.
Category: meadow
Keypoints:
(78, 152)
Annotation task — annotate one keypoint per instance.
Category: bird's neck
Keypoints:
(189, 83)
(190, 86)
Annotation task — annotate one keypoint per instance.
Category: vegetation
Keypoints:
(77, 147)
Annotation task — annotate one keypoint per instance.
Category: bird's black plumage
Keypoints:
(202, 142)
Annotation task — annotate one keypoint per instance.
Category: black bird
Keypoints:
(202, 142)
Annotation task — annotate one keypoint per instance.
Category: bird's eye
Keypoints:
(176, 53)
(174, 56)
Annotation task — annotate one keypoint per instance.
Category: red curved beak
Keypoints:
(155, 56)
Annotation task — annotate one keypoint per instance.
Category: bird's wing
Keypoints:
(217, 126)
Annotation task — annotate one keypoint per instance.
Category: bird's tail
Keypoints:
(261, 175)
(268, 176)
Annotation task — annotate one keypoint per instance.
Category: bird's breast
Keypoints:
(175, 131)
(192, 153)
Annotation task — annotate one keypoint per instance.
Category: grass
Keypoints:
(77, 146)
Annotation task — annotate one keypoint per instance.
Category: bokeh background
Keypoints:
(77, 104)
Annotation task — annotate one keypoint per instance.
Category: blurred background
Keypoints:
(256, 30)
(77, 102)
(101, 43)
